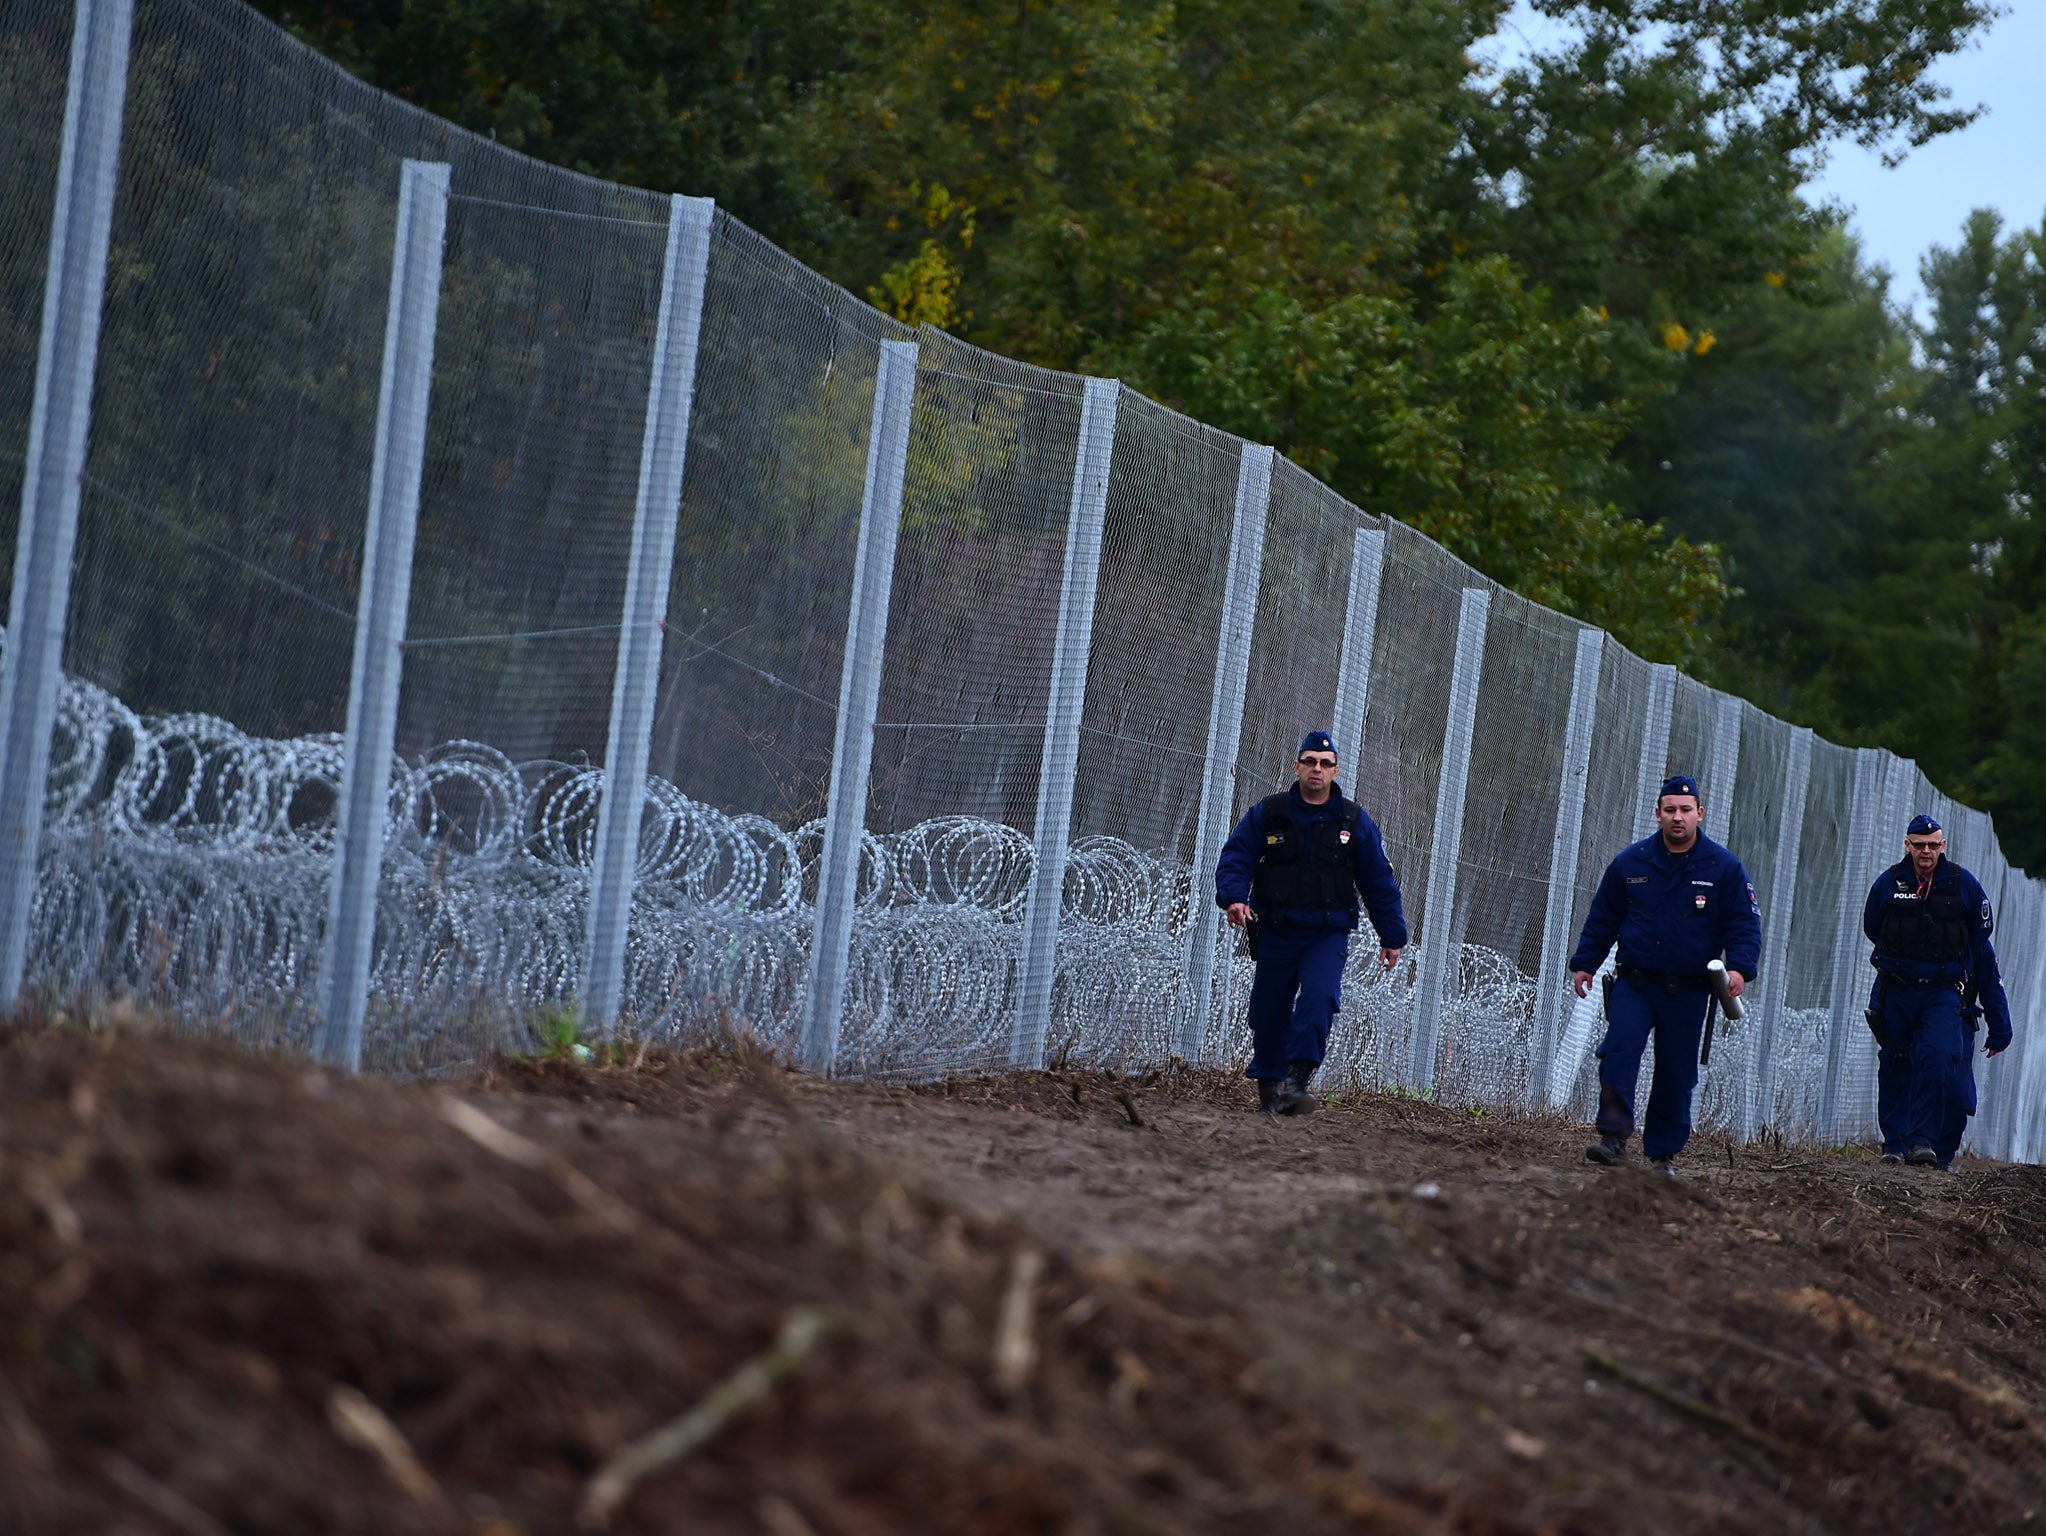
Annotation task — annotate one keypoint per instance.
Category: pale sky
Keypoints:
(1997, 162)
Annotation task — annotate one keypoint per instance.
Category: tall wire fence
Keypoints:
(425, 485)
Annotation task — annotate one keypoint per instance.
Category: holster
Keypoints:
(1605, 984)
(1250, 938)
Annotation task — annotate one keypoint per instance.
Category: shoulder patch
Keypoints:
(1754, 902)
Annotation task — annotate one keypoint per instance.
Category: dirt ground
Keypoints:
(246, 1295)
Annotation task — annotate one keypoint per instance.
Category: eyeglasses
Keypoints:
(1934, 845)
(1315, 762)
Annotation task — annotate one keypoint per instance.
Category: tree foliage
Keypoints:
(1576, 318)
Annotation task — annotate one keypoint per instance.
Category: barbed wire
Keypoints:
(187, 862)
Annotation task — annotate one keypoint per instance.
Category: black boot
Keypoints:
(1294, 1099)
(1610, 1150)
(1270, 1093)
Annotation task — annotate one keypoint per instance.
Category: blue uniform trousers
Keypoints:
(1925, 1077)
(1294, 999)
(1677, 1021)
(1893, 1095)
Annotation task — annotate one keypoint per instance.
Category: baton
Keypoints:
(1722, 988)
(1722, 997)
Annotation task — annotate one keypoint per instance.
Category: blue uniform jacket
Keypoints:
(1672, 912)
(1983, 981)
(1372, 870)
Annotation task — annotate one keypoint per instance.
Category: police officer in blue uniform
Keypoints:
(1936, 973)
(1291, 873)
(1674, 901)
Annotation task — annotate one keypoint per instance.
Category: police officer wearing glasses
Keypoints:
(1291, 873)
(1935, 975)
(1674, 901)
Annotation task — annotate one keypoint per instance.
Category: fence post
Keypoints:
(1437, 960)
(1553, 979)
(1360, 633)
(2031, 983)
(2000, 1074)
(1650, 772)
(74, 289)
(386, 594)
(1758, 1106)
(663, 452)
(1722, 772)
(1065, 704)
(1858, 856)
(1225, 731)
(859, 696)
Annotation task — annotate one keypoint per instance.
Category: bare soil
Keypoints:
(243, 1294)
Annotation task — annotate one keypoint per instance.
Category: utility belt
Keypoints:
(1671, 982)
(1332, 922)
(1892, 979)
(1329, 919)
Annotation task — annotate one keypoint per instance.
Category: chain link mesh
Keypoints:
(190, 822)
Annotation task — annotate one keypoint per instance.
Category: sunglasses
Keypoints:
(1315, 762)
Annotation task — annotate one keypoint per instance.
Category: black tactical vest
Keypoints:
(1307, 868)
(1935, 928)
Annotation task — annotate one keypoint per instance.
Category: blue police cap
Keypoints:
(1921, 826)
(1316, 741)
(1679, 784)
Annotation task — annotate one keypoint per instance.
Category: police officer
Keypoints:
(1935, 967)
(1674, 900)
(1291, 872)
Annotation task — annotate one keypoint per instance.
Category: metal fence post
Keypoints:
(1225, 731)
(2013, 914)
(386, 594)
(1064, 707)
(1649, 773)
(2031, 984)
(663, 453)
(1758, 1106)
(1437, 961)
(1360, 633)
(1722, 772)
(2002, 1072)
(1858, 855)
(1553, 981)
(1997, 1076)
(74, 288)
(859, 695)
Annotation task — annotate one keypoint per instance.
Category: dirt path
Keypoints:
(1079, 1305)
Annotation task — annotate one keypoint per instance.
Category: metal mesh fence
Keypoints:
(1050, 668)
(34, 44)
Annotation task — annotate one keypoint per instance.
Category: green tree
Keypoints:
(1467, 423)
(1984, 352)
(1492, 307)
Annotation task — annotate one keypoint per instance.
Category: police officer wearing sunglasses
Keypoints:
(1291, 873)
(1936, 973)
(1673, 901)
